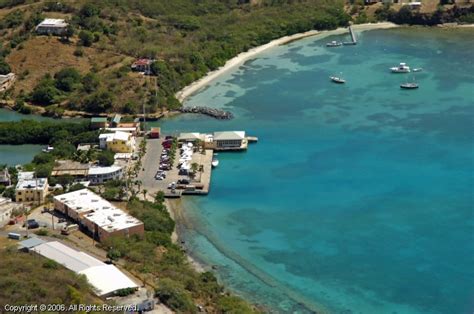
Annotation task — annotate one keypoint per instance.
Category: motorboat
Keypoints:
(417, 69)
(334, 44)
(337, 79)
(215, 162)
(402, 68)
(409, 86)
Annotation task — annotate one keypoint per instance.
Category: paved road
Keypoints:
(151, 163)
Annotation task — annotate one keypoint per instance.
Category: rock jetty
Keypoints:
(212, 112)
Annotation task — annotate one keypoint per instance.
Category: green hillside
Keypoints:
(187, 38)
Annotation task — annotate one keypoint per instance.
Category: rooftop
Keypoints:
(98, 210)
(52, 23)
(229, 135)
(98, 119)
(26, 180)
(69, 167)
(103, 170)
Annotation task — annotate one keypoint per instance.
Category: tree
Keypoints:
(69, 32)
(90, 82)
(67, 78)
(100, 101)
(106, 158)
(4, 67)
(144, 193)
(86, 37)
(45, 92)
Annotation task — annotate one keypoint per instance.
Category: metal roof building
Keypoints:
(106, 279)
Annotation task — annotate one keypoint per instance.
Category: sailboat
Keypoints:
(409, 85)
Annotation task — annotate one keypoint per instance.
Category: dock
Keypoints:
(353, 38)
(252, 139)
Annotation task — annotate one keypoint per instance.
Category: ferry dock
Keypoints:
(192, 164)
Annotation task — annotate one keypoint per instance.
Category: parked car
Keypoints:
(31, 224)
(183, 181)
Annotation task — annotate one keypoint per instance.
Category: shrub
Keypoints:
(172, 294)
(86, 37)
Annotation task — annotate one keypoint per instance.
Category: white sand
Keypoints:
(244, 56)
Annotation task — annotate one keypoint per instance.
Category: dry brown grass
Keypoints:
(42, 54)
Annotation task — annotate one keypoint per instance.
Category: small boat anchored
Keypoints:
(334, 44)
(337, 79)
(409, 85)
(402, 68)
(215, 163)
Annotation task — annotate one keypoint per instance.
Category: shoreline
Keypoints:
(238, 60)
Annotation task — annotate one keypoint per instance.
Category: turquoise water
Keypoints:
(20, 154)
(357, 198)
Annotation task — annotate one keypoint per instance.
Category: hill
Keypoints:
(187, 38)
(28, 280)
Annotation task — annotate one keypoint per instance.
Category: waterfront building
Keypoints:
(6, 81)
(229, 140)
(31, 189)
(99, 217)
(191, 137)
(118, 142)
(52, 26)
(98, 123)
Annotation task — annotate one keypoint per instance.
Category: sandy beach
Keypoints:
(244, 56)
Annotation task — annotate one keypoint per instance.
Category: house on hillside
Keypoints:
(52, 26)
(6, 81)
(142, 65)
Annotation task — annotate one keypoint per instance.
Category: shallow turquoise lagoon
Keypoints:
(358, 198)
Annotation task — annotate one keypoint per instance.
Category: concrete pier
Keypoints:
(353, 37)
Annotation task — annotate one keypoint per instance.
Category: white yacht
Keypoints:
(334, 44)
(402, 68)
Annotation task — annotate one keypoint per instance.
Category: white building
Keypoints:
(6, 209)
(31, 189)
(97, 215)
(229, 140)
(99, 175)
(105, 279)
(52, 26)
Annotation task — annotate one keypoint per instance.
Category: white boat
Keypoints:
(334, 44)
(338, 80)
(402, 68)
(417, 70)
(215, 163)
(409, 85)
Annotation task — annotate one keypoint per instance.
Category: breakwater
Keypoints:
(212, 112)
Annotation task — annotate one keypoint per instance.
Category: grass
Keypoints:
(31, 279)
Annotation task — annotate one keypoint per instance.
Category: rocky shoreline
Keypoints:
(212, 112)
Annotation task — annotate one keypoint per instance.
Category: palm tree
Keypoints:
(144, 193)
